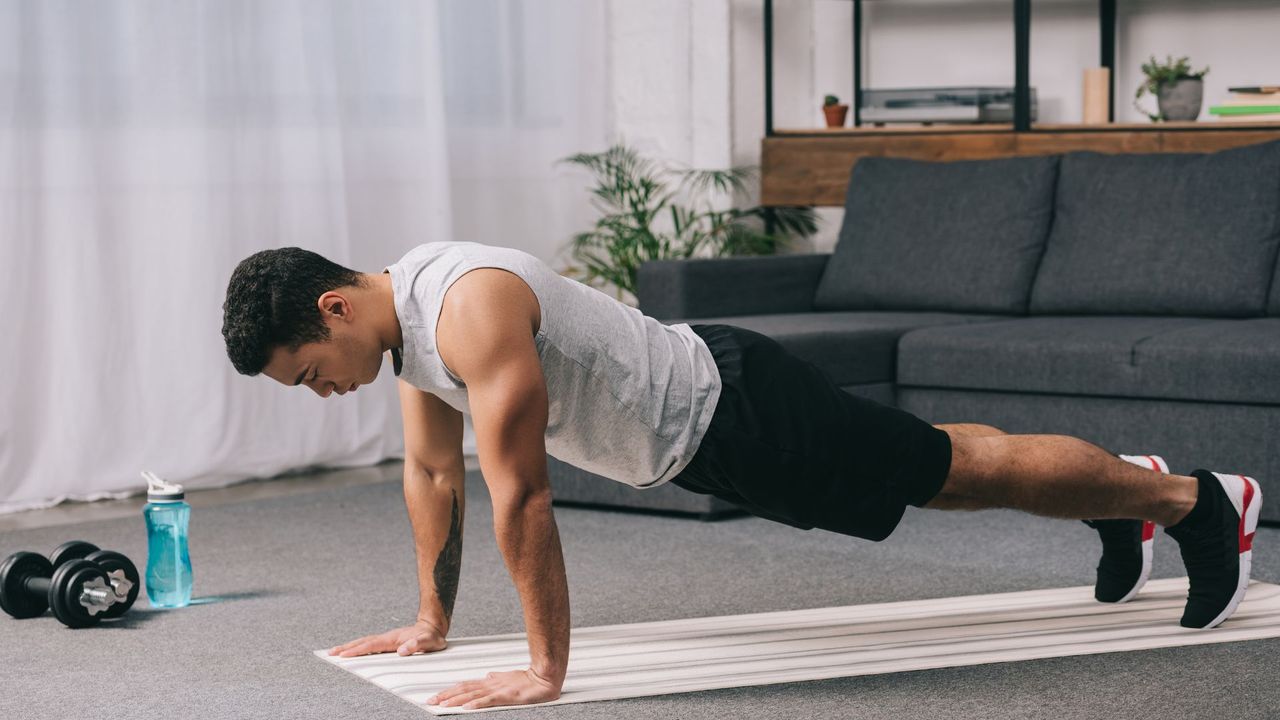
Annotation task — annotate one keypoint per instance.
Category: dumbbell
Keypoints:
(121, 571)
(79, 590)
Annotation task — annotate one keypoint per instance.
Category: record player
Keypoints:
(940, 105)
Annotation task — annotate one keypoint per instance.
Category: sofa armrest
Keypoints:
(740, 285)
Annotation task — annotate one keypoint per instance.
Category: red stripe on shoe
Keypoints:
(1148, 527)
(1246, 541)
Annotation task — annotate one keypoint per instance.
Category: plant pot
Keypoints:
(1180, 100)
(836, 114)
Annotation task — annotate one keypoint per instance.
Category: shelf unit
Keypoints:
(810, 166)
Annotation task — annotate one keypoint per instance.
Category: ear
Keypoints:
(334, 304)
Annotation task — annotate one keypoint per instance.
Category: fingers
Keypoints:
(424, 642)
(470, 694)
(363, 649)
(392, 641)
(363, 646)
(460, 688)
(411, 646)
(345, 646)
(464, 698)
(482, 702)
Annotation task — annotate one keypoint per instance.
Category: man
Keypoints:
(544, 364)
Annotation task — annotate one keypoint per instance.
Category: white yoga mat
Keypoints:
(655, 658)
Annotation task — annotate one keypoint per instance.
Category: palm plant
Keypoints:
(644, 217)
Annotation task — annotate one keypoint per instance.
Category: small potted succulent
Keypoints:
(835, 112)
(1178, 91)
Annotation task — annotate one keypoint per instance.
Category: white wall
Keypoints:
(669, 79)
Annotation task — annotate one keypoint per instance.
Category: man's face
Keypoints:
(350, 357)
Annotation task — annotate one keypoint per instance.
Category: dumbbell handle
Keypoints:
(39, 585)
(89, 597)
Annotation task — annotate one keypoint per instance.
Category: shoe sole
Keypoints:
(1247, 499)
(1158, 464)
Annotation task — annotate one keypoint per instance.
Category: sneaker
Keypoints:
(1126, 547)
(1216, 541)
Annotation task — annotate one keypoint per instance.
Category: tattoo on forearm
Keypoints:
(449, 562)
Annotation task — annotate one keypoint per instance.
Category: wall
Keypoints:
(669, 79)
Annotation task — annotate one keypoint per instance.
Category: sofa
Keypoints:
(1128, 299)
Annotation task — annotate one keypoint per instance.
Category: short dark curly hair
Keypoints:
(271, 302)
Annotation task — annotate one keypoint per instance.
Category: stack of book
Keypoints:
(1250, 104)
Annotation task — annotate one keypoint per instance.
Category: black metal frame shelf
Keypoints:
(1021, 63)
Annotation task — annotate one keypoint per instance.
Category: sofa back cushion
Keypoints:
(1163, 234)
(961, 236)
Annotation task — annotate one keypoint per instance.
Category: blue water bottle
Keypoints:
(168, 562)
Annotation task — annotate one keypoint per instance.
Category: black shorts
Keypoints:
(785, 443)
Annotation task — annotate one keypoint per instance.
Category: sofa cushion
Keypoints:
(1210, 359)
(959, 236)
(1163, 234)
(1273, 307)
(1223, 360)
(851, 347)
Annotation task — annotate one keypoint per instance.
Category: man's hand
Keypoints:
(517, 687)
(419, 637)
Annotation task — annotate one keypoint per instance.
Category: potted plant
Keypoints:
(1178, 91)
(644, 218)
(834, 111)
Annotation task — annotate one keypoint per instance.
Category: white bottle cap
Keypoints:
(162, 490)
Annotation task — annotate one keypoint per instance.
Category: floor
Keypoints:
(279, 577)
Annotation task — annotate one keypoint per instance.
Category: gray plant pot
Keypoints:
(1181, 99)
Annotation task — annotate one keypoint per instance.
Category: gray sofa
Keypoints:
(1131, 300)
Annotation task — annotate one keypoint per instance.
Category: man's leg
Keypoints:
(1128, 545)
(1057, 476)
(1212, 516)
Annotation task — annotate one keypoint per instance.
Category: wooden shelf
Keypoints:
(1198, 126)
(811, 167)
(897, 129)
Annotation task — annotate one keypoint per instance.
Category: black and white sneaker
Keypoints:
(1125, 564)
(1216, 541)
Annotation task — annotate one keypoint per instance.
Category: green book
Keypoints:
(1243, 109)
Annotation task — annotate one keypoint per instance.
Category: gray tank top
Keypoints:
(629, 397)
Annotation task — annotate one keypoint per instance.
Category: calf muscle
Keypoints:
(1056, 476)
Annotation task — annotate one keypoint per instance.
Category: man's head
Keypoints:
(302, 319)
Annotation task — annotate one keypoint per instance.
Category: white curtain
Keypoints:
(147, 146)
(525, 85)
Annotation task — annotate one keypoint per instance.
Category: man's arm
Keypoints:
(433, 494)
(489, 338)
(434, 489)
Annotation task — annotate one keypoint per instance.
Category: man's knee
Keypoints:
(972, 460)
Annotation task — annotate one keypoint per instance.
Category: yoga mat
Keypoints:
(672, 656)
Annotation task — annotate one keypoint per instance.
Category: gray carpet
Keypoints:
(278, 578)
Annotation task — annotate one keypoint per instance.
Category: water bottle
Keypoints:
(168, 562)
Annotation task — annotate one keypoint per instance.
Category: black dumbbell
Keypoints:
(78, 590)
(119, 568)
(71, 550)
